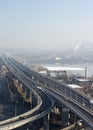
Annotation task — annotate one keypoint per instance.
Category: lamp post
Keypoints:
(85, 72)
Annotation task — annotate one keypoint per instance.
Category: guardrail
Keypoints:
(24, 115)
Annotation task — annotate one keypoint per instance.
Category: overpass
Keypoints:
(74, 100)
(40, 110)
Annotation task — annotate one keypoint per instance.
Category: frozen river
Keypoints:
(68, 63)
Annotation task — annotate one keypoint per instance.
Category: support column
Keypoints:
(15, 109)
(55, 110)
(65, 117)
(21, 86)
(31, 99)
(46, 122)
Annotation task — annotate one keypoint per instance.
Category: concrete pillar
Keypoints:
(30, 99)
(25, 93)
(46, 122)
(15, 109)
(16, 80)
(55, 110)
(65, 116)
(21, 85)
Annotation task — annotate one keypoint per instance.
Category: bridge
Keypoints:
(77, 102)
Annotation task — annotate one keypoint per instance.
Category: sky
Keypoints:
(45, 23)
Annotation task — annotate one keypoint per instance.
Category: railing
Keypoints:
(69, 92)
(21, 122)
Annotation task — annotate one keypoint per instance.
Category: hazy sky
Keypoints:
(47, 23)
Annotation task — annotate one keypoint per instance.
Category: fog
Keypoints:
(45, 25)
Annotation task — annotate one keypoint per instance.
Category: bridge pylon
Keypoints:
(46, 122)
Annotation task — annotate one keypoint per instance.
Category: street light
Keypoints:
(85, 72)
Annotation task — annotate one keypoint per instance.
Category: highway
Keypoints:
(69, 92)
(74, 100)
(42, 108)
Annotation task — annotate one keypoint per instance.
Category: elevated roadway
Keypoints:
(74, 100)
(22, 120)
(42, 108)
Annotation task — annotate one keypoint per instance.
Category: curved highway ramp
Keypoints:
(44, 101)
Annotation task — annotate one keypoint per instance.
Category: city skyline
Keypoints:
(45, 24)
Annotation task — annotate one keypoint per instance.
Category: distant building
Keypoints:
(59, 72)
(43, 72)
(74, 86)
(85, 83)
